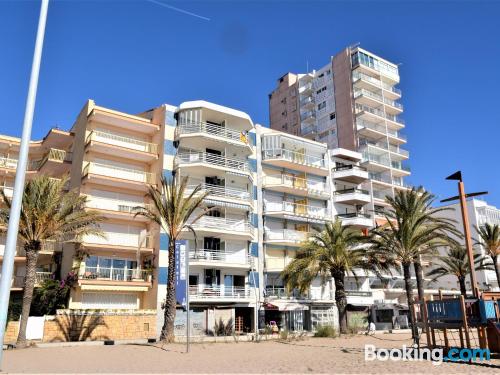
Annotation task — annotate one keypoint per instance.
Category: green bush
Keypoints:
(325, 331)
(356, 323)
(15, 307)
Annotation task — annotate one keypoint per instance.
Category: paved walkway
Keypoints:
(310, 355)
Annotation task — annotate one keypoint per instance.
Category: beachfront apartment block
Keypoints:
(351, 103)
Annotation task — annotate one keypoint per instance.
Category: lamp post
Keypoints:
(462, 197)
(15, 210)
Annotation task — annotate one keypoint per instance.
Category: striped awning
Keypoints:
(213, 202)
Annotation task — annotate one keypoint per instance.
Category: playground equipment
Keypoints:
(461, 322)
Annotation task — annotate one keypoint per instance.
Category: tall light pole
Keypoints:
(13, 226)
(462, 197)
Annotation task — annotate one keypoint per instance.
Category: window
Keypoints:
(332, 116)
(321, 75)
(321, 105)
(321, 90)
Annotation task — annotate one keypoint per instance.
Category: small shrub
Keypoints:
(325, 331)
(284, 334)
(356, 323)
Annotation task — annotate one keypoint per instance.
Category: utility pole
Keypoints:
(462, 197)
(15, 210)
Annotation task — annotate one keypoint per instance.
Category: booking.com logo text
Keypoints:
(437, 356)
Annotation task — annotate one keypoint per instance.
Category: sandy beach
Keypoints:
(309, 355)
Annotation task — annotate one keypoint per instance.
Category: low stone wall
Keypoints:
(85, 325)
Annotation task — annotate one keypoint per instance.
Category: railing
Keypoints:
(111, 204)
(295, 182)
(220, 191)
(293, 156)
(393, 103)
(286, 235)
(395, 133)
(367, 156)
(351, 191)
(348, 168)
(368, 94)
(212, 159)
(121, 141)
(40, 277)
(311, 129)
(295, 208)
(359, 108)
(371, 125)
(307, 100)
(211, 129)
(364, 77)
(222, 223)
(306, 115)
(115, 274)
(219, 256)
(8, 163)
(400, 166)
(352, 215)
(306, 87)
(368, 143)
(53, 154)
(398, 150)
(202, 291)
(282, 293)
(122, 239)
(118, 172)
(444, 310)
(400, 183)
(380, 178)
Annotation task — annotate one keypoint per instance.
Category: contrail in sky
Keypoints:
(179, 10)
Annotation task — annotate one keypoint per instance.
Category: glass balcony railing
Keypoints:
(114, 274)
(295, 182)
(226, 224)
(9, 163)
(293, 156)
(214, 130)
(220, 191)
(378, 159)
(295, 209)
(186, 158)
(122, 141)
(204, 291)
(307, 115)
(351, 191)
(360, 108)
(376, 82)
(285, 235)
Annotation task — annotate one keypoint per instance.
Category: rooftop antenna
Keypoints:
(307, 66)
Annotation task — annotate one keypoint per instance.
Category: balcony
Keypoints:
(212, 133)
(356, 219)
(202, 292)
(202, 162)
(377, 162)
(55, 162)
(284, 158)
(352, 196)
(366, 81)
(121, 242)
(398, 153)
(106, 174)
(272, 292)
(308, 117)
(285, 237)
(219, 258)
(309, 131)
(117, 145)
(399, 169)
(8, 163)
(366, 112)
(116, 208)
(230, 228)
(291, 184)
(122, 120)
(295, 211)
(350, 173)
(307, 102)
(119, 275)
(40, 277)
(306, 89)
(222, 193)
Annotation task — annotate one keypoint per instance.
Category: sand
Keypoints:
(309, 355)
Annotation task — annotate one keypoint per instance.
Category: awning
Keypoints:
(213, 202)
(285, 306)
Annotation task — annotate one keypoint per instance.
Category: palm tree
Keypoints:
(48, 213)
(456, 263)
(412, 229)
(490, 240)
(173, 211)
(333, 253)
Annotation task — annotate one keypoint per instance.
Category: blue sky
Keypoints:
(135, 55)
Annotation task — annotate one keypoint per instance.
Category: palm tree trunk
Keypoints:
(340, 298)
(409, 296)
(420, 279)
(31, 250)
(461, 282)
(167, 331)
(497, 268)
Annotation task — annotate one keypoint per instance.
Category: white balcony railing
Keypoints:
(118, 172)
(282, 293)
(115, 274)
(295, 182)
(221, 191)
(122, 141)
(202, 291)
(110, 204)
(8, 163)
(40, 277)
(212, 129)
(294, 157)
(378, 159)
(365, 77)
(184, 158)
(286, 235)
(209, 255)
(222, 223)
(360, 108)
(295, 209)
(121, 239)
